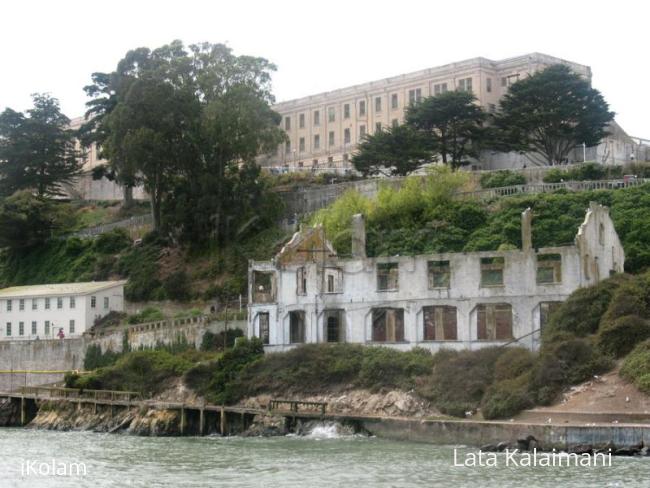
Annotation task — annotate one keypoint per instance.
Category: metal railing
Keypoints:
(130, 223)
(49, 392)
(294, 405)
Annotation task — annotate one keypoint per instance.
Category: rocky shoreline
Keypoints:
(530, 444)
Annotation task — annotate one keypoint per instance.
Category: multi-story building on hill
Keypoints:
(308, 294)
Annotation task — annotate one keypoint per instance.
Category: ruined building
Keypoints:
(308, 293)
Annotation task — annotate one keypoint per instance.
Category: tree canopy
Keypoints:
(188, 123)
(37, 149)
(551, 112)
(398, 150)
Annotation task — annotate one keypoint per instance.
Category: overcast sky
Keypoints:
(54, 46)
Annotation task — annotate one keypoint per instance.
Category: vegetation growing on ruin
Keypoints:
(423, 216)
(498, 179)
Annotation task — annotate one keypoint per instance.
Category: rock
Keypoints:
(502, 446)
(625, 451)
(266, 426)
(645, 451)
(580, 449)
(525, 444)
(489, 448)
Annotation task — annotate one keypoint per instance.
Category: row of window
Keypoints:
(72, 303)
(549, 271)
(414, 96)
(439, 323)
(48, 327)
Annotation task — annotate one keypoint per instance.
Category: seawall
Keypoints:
(476, 433)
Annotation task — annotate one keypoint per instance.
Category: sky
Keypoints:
(53, 47)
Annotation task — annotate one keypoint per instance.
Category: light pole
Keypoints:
(584, 152)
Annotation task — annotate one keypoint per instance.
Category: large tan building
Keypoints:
(324, 129)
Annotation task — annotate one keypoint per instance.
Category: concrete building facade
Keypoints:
(59, 310)
(307, 294)
(324, 129)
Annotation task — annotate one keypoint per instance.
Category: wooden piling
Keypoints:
(23, 414)
(182, 420)
(201, 421)
(223, 426)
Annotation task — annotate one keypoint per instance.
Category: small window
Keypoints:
(601, 234)
(546, 309)
(297, 327)
(377, 127)
(362, 131)
(494, 322)
(377, 104)
(316, 117)
(504, 81)
(394, 123)
(314, 162)
(330, 140)
(394, 101)
(387, 276)
(301, 121)
(465, 85)
(301, 281)
(549, 269)
(388, 325)
(287, 147)
(9, 305)
(8, 330)
(330, 159)
(59, 302)
(346, 111)
(362, 108)
(301, 144)
(73, 302)
(46, 327)
(47, 304)
(492, 108)
(21, 328)
(440, 323)
(316, 141)
(263, 287)
(93, 301)
(34, 304)
(71, 326)
(439, 274)
(287, 123)
(106, 302)
(492, 271)
(21, 304)
(346, 136)
(488, 85)
(415, 95)
(334, 331)
(331, 114)
(264, 327)
(333, 280)
(34, 328)
(439, 88)
(346, 157)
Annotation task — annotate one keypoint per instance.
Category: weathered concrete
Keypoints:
(346, 292)
(471, 433)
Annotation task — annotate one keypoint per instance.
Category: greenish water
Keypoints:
(121, 460)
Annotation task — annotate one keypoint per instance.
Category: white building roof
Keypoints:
(58, 289)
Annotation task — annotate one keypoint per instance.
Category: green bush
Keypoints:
(95, 358)
(581, 313)
(582, 172)
(514, 362)
(636, 367)
(619, 337)
(506, 398)
(460, 379)
(177, 286)
(631, 298)
(499, 179)
(563, 363)
(383, 367)
(149, 314)
(112, 242)
(214, 342)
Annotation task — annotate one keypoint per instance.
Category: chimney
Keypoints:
(526, 230)
(358, 236)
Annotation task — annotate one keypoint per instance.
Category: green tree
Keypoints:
(453, 123)
(28, 220)
(398, 150)
(550, 113)
(37, 149)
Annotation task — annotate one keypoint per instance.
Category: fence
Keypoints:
(132, 223)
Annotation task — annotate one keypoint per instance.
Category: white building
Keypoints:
(452, 300)
(49, 311)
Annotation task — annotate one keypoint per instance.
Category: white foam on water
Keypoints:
(325, 431)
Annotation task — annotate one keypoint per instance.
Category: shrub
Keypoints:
(459, 379)
(149, 314)
(507, 398)
(631, 298)
(619, 337)
(580, 314)
(383, 367)
(95, 358)
(636, 367)
(214, 342)
(112, 242)
(177, 286)
(562, 363)
(498, 179)
(514, 362)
